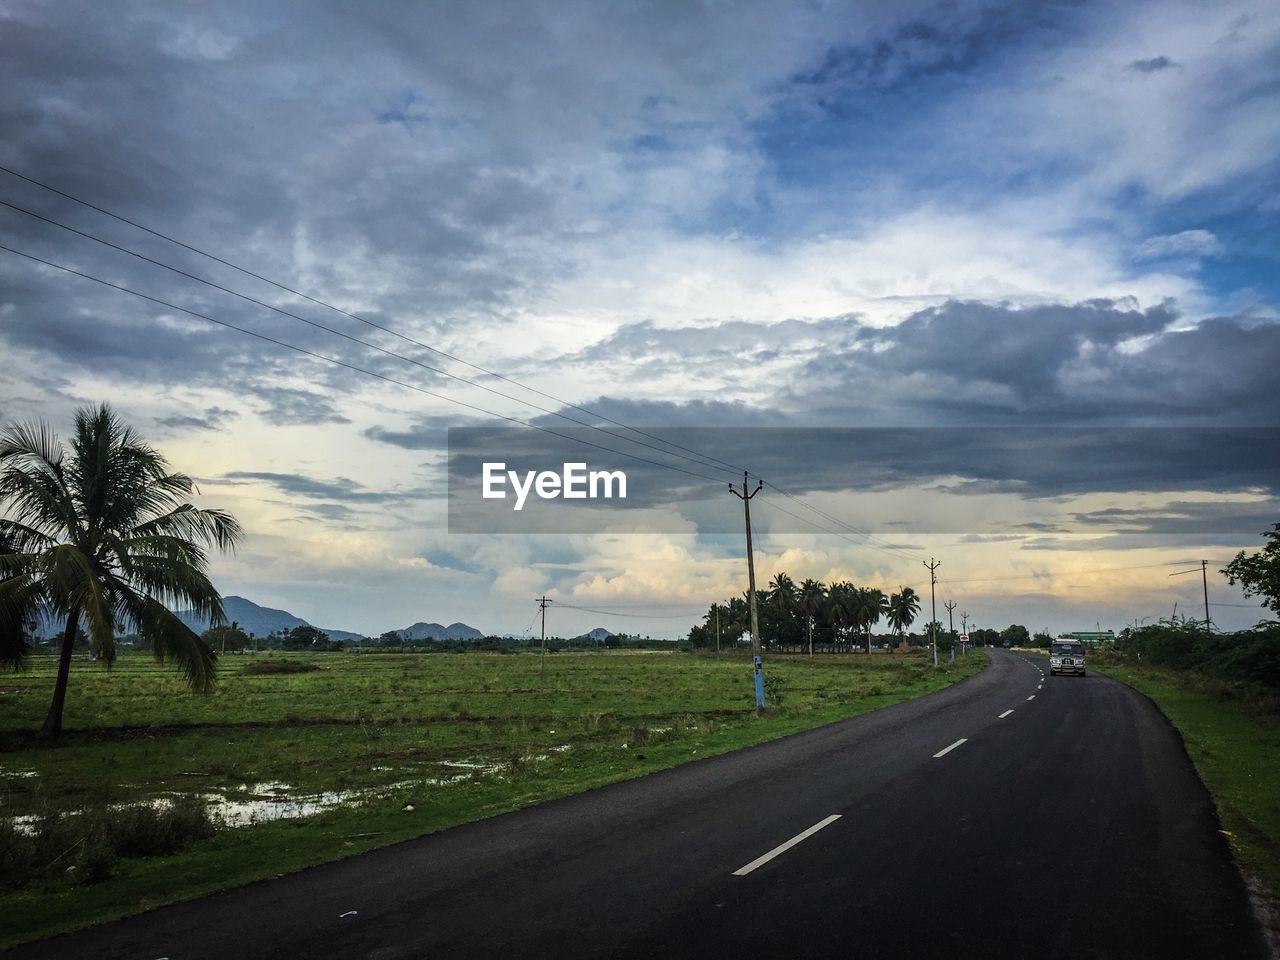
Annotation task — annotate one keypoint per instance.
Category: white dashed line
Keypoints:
(1003, 715)
(783, 848)
(1032, 697)
(943, 753)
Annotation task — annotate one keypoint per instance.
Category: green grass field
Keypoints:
(1235, 750)
(383, 747)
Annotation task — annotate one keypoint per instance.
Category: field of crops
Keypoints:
(353, 750)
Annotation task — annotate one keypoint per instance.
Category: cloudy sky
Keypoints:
(666, 215)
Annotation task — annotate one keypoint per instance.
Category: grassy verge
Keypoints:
(1235, 750)
(382, 730)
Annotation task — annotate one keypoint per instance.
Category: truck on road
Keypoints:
(1066, 656)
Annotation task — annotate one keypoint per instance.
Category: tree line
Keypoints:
(841, 616)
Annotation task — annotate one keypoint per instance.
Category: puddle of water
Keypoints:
(243, 813)
(251, 803)
(478, 766)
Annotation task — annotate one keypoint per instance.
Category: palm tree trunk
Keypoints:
(53, 722)
(811, 636)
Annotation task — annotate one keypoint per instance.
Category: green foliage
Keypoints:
(838, 615)
(1248, 661)
(774, 690)
(1015, 635)
(1259, 573)
(226, 638)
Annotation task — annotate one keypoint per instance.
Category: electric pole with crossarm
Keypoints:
(756, 650)
(933, 604)
(542, 659)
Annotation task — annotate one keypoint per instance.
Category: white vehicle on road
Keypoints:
(1066, 656)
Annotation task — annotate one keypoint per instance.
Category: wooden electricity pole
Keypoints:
(756, 649)
(542, 658)
(1204, 577)
(933, 605)
(745, 497)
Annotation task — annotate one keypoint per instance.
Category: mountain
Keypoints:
(435, 631)
(258, 620)
(599, 635)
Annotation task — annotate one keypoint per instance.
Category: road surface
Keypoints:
(1011, 815)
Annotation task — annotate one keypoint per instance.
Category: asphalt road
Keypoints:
(1068, 823)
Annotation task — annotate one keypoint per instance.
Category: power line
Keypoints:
(353, 367)
(636, 616)
(1047, 575)
(835, 533)
(704, 460)
(346, 336)
(298, 293)
(872, 540)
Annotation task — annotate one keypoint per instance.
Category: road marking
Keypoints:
(783, 848)
(1032, 697)
(1003, 715)
(943, 753)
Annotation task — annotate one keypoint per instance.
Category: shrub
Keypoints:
(260, 667)
(92, 841)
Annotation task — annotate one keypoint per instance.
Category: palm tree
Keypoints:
(840, 605)
(903, 607)
(103, 539)
(810, 598)
(870, 605)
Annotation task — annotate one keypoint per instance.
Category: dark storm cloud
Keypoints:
(1094, 362)
(284, 406)
(1043, 467)
(1153, 65)
(1181, 517)
(423, 433)
(213, 419)
(340, 489)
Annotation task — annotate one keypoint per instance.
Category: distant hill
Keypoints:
(436, 631)
(599, 635)
(258, 620)
(261, 621)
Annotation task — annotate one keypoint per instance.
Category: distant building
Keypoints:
(1091, 636)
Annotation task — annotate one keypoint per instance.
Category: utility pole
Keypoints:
(542, 659)
(933, 604)
(951, 625)
(756, 651)
(1204, 577)
(717, 609)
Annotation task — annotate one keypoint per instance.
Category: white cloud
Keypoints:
(1188, 243)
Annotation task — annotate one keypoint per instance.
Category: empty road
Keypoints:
(1011, 815)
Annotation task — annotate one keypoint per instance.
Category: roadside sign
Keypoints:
(964, 638)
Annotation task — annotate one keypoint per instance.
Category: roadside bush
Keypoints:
(86, 846)
(1245, 663)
